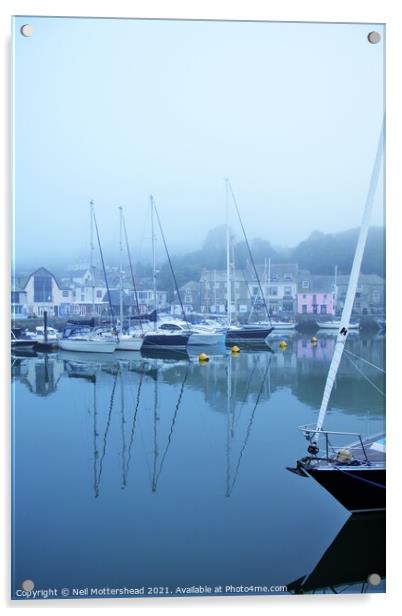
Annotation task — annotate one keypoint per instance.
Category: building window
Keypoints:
(288, 291)
(287, 277)
(323, 309)
(65, 293)
(98, 294)
(304, 308)
(305, 284)
(315, 309)
(273, 290)
(42, 289)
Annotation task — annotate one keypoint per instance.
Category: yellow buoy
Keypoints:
(283, 344)
(314, 340)
(203, 357)
(235, 349)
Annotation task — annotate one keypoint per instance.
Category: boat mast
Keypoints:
(91, 254)
(269, 286)
(121, 267)
(153, 259)
(228, 277)
(249, 250)
(352, 287)
(335, 288)
(215, 291)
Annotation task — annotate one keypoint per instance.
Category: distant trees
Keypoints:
(319, 253)
(322, 251)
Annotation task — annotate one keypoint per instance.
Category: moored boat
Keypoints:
(20, 340)
(247, 334)
(355, 474)
(165, 340)
(199, 335)
(336, 324)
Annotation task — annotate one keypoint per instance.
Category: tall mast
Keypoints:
(269, 286)
(228, 278)
(121, 267)
(215, 291)
(151, 199)
(352, 286)
(91, 254)
(335, 287)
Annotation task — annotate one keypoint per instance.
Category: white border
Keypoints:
(378, 11)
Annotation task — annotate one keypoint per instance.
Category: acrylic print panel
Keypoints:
(198, 271)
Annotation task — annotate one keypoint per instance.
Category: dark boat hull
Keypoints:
(248, 335)
(357, 488)
(22, 344)
(161, 341)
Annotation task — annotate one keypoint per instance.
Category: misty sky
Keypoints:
(113, 110)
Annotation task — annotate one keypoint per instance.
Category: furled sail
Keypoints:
(353, 281)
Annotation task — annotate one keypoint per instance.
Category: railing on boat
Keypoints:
(310, 432)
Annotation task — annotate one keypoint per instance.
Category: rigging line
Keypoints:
(156, 452)
(170, 263)
(123, 432)
(142, 237)
(250, 425)
(169, 440)
(366, 377)
(249, 252)
(103, 266)
(132, 271)
(105, 435)
(96, 453)
(249, 381)
(133, 426)
(369, 363)
(352, 476)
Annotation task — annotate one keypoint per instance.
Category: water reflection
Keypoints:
(200, 449)
(357, 552)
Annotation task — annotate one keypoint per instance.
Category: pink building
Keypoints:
(315, 303)
(315, 294)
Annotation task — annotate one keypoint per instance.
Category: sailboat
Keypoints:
(162, 338)
(133, 339)
(355, 474)
(249, 333)
(82, 336)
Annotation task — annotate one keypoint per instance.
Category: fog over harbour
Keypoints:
(172, 108)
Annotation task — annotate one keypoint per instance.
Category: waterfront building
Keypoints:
(370, 295)
(44, 292)
(190, 296)
(19, 303)
(315, 295)
(278, 282)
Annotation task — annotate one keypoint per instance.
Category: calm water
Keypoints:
(148, 472)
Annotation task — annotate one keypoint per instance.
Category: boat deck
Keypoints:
(373, 452)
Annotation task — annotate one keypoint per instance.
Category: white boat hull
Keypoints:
(197, 339)
(336, 325)
(88, 346)
(130, 344)
(283, 326)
